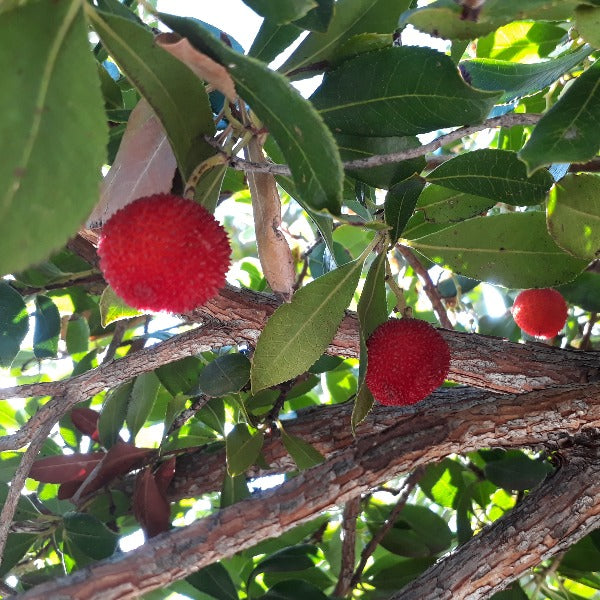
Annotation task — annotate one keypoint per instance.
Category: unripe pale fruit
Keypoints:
(407, 360)
(164, 253)
(540, 312)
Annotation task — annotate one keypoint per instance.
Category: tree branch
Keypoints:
(351, 512)
(415, 441)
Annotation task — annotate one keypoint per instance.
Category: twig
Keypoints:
(428, 285)
(508, 120)
(86, 279)
(182, 418)
(585, 340)
(351, 512)
(120, 329)
(18, 481)
(409, 486)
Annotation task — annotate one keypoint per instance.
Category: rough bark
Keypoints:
(419, 439)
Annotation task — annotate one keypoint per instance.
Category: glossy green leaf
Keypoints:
(442, 205)
(281, 11)
(298, 333)
(397, 576)
(47, 328)
(399, 91)
(319, 18)
(242, 449)
(306, 144)
(112, 416)
(215, 581)
(78, 335)
(175, 93)
(442, 482)
(44, 144)
(235, 489)
(356, 146)
(113, 308)
(495, 174)
(293, 558)
(573, 215)
(587, 23)
(516, 471)
(583, 291)
(350, 18)
(568, 131)
(294, 589)
(519, 79)
(17, 545)
(372, 306)
(399, 205)
(304, 455)
(272, 39)
(514, 250)
(90, 535)
(225, 375)
(141, 401)
(14, 323)
(181, 376)
(357, 44)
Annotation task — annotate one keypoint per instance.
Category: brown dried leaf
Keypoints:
(203, 66)
(65, 468)
(144, 165)
(164, 474)
(150, 506)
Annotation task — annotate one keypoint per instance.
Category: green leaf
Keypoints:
(350, 18)
(181, 376)
(583, 291)
(519, 79)
(319, 18)
(225, 375)
(175, 93)
(568, 131)
(89, 535)
(141, 401)
(112, 416)
(400, 202)
(298, 333)
(293, 558)
(294, 589)
(54, 130)
(573, 214)
(215, 581)
(515, 592)
(47, 328)
(511, 249)
(495, 174)
(304, 455)
(17, 545)
(242, 449)
(399, 91)
(442, 205)
(78, 335)
(281, 11)
(113, 308)
(272, 39)
(442, 482)
(587, 23)
(516, 471)
(397, 576)
(234, 490)
(14, 323)
(358, 146)
(372, 306)
(305, 142)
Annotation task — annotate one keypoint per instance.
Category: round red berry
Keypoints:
(540, 312)
(164, 253)
(407, 360)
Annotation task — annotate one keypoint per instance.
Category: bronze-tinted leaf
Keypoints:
(150, 506)
(164, 474)
(86, 420)
(64, 468)
(67, 490)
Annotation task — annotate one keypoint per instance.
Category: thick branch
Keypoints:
(417, 440)
(561, 511)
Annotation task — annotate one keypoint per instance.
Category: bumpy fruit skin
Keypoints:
(540, 312)
(407, 360)
(164, 253)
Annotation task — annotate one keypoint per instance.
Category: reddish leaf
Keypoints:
(164, 474)
(150, 506)
(67, 490)
(119, 460)
(86, 420)
(62, 469)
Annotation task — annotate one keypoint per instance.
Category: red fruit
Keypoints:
(407, 360)
(540, 312)
(164, 252)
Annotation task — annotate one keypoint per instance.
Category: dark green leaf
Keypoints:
(519, 79)
(141, 401)
(272, 39)
(511, 249)
(396, 577)
(14, 323)
(583, 556)
(225, 375)
(305, 456)
(181, 376)
(568, 131)
(399, 91)
(291, 120)
(372, 306)
(234, 490)
(583, 291)
(442, 205)
(112, 416)
(242, 449)
(212, 414)
(294, 589)
(42, 141)
(587, 23)
(47, 328)
(294, 558)
(299, 332)
(215, 581)
(175, 93)
(400, 202)
(281, 11)
(320, 260)
(495, 174)
(89, 535)
(17, 545)
(78, 334)
(515, 592)
(319, 18)
(574, 215)
(516, 471)
(430, 528)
